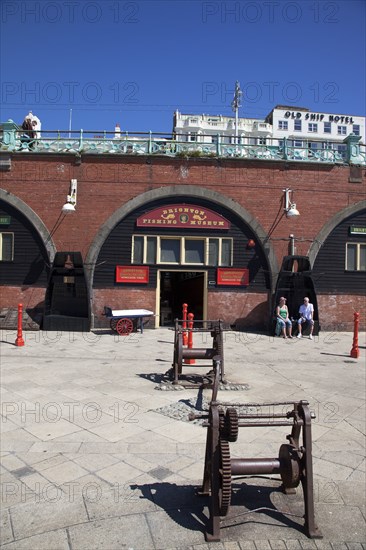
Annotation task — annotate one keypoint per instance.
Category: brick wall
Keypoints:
(30, 297)
(121, 299)
(105, 184)
(245, 311)
(336, 312)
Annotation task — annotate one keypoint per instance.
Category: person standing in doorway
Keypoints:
(283, 318)
(306, 312)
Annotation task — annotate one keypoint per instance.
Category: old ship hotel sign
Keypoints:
(187, 216)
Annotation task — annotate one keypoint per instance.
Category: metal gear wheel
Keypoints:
(231, 428)
(221, 421)
(225, 478)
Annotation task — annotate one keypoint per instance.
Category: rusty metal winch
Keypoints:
(293, 464)
(186, 356)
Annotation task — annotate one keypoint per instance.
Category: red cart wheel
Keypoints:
(124, 326)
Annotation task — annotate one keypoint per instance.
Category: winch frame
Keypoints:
(294, 463)
(185, 357)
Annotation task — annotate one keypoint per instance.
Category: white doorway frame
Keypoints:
(157, 295)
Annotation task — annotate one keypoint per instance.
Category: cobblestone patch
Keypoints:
(183, 408)
(169, 386)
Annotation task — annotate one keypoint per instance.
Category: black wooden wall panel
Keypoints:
(30, 265)
(329, 272)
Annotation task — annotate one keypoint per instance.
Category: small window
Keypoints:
(356, 257)
(151, 250)
(194, 251)
(6, 247)
(170, 251)
(327, 127)
(137, 250)
(342, 130)
(226, 252)
(213, 251)
(297, 125)
(342, 149)
(326, 145)
(313, 128)
(282, 125)
(356, 129)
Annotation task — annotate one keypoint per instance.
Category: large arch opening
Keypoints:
(33, 218)
(29, 252)
(338, 257)
(260, 260)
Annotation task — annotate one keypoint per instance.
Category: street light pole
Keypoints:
(235, 104)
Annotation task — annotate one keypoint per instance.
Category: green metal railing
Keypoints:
(14, 139)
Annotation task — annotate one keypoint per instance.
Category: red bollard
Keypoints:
(19, 341)
(355, 351)
(190, 338)
(184, 324)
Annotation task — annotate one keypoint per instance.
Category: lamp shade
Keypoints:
(292, 211)
(68, 207)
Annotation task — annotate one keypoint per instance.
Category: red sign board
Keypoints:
(132, 274)
(232, 277)
(188, 216)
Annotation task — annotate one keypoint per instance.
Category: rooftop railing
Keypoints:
(14, 139)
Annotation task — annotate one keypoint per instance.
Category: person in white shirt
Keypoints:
(306, 312)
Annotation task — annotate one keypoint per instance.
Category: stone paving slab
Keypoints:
(88, 461)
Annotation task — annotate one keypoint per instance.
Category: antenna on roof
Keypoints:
(235, 104)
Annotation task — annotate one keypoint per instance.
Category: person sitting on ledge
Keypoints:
(283, 318)
(306, 312)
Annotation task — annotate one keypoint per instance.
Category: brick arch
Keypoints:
(330, 226)
(33, 218)
(177, 191)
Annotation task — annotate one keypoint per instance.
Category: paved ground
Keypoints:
(90, 462)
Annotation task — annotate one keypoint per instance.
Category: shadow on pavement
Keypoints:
(155, 377)
(190, 510)
(178, 501)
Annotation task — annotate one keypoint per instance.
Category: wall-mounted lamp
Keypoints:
(70, 203)
(251, 243)
(290, 207)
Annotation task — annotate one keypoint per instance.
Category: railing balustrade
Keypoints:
(14, 139)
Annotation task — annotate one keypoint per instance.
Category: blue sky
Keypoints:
(135, 62)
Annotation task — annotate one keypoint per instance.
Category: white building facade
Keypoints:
(299, 126)
(206, 128)
(320, 130)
